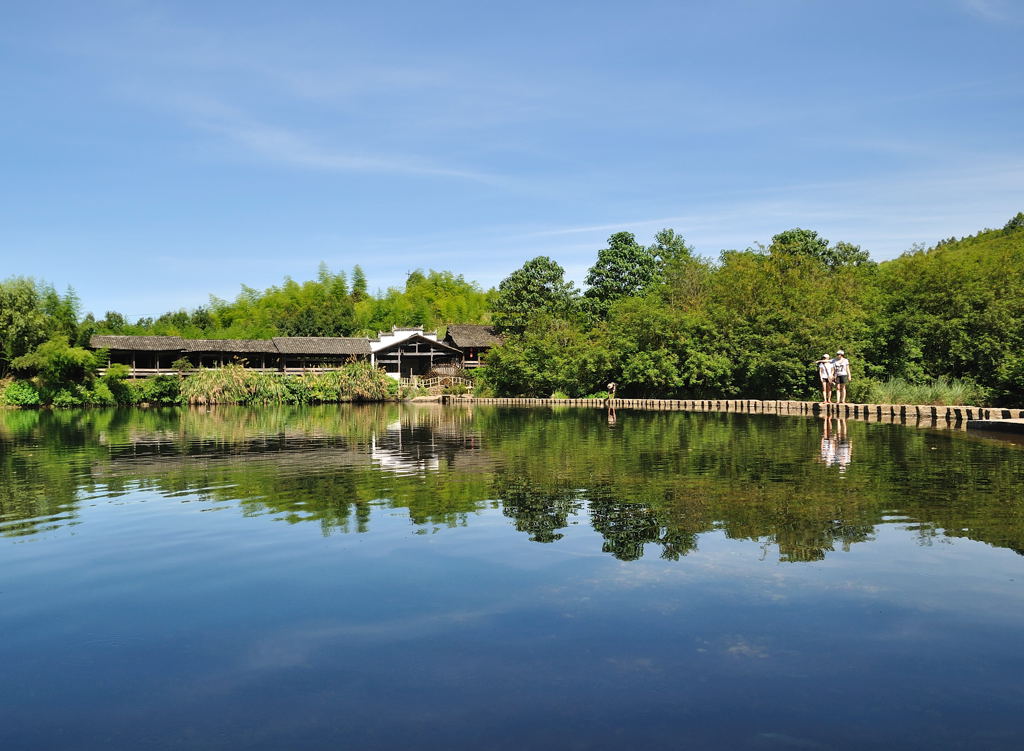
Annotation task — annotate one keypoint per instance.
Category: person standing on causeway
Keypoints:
(826, 373)
(842, 375)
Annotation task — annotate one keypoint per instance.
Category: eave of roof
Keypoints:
(261, 346)
(473, 335)
(137, 343)
(322, 345)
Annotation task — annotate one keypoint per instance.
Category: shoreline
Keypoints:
(957, 417)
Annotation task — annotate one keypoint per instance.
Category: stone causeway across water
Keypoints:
(1001, 419)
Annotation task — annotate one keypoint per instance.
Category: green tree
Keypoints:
(359, 286)
(552, 354)
(670, 249)
(538, 287)
(805, 243)
(23, 321)
(623, 269)
(57, 365)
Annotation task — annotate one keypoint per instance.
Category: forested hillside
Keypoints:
(658, 319)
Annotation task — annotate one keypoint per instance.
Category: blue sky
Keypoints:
(157, 152)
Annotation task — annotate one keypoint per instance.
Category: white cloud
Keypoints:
(288, 147)
(999, 11)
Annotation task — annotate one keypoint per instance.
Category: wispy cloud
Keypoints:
(288, 147)
(305, 109)
(999, 11)
(292, 147)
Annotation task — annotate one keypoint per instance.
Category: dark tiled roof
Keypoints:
(137, 343)
(322, 345)
(472, 335)
(230, 345)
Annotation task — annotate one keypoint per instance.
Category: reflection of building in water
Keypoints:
(427, 439)
(836, 446)
(405, 449)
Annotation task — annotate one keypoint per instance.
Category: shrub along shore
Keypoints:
(231, 384)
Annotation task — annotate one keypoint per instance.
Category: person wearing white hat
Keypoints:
(842, 375)
(826, 373)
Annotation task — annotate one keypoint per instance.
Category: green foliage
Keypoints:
(956, 310)
(324, 306)
(483, 386)
(670, 250)
(553, 354)
(623, 269)
(30, 313)
(66, 398)
(57, 365)
(1016, 223)
(161, 389)
(805, 243)
(227, 385)
(103, 395)
(21, 394)
(538, 288)
(750, 324)
(939, 391)
(233, 384)
(359, 285)
(654, 372)
(115, 381)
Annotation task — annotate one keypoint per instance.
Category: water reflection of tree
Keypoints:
(658, 479)
(627, 527)
(539, 511)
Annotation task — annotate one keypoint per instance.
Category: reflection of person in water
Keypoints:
(611, 416)
(844, 447)
(836, 447)
(828, 447)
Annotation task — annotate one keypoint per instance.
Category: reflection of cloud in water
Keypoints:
(635, 664)
(738, 646)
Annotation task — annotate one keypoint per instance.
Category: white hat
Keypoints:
(840, 352)
(826, 356)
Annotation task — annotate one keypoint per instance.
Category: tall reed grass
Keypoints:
(233, 384)
(940, 392)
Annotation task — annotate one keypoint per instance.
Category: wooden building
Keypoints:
(402, 352)
(407, 352)
(145, 355)
(472, 340)
(153, 355)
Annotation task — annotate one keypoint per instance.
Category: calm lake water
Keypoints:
(450, 578)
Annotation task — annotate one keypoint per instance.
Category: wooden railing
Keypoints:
(427, 383)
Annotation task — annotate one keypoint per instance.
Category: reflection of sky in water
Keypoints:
(176, 614)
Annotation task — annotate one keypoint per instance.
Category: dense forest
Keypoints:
(658, 319)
